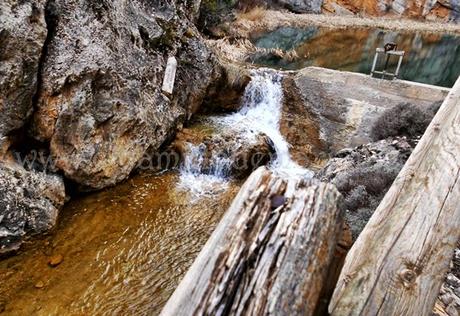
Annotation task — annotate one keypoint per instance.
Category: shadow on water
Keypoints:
(430, 58)
(125, 249)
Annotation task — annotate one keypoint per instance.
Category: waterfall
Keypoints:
(200, 179)
(261, 113)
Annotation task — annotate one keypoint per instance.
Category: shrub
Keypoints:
(375, 179)
(357, 198)
(214, 13)
(405, 119)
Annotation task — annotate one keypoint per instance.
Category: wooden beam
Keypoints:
(398, 263)
(269, 255)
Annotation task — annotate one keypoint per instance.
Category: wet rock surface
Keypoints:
(225, 155)
(29, 204)
(225, 94)
(101, 80)
(22, 37)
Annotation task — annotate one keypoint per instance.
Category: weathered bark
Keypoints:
(396, 266)
(270, 253)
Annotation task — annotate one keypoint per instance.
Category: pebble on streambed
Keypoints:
(55, 260)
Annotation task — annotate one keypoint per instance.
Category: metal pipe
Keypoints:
(375, 62)
(399, 65)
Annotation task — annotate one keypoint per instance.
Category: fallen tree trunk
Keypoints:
(269, 255)
(397, 264)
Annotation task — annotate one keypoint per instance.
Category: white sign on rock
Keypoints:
(170, 75)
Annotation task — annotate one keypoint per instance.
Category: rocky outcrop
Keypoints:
(447, 10)
(364, 174)
(22, 36)
(223, 155)
(29, 204)
(302, 6)
(100, 105)
(225, 94)
(326, 110)
(80, 81)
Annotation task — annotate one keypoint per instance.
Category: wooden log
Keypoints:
(270, 253)
(397, 264)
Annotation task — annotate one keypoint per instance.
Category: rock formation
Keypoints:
(326, 111)
(302, 6)
(22, 36)
(447, 10)
(29, 204)
(101, 75)
(224, 154)
(82, 81)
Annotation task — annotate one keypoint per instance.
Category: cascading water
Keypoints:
(200, 179)
(260, 114)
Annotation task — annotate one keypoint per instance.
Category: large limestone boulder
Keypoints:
(100, 105)
(29, 204)
(22, 36)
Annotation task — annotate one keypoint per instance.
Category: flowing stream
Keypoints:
(260, 114)
(126, 248)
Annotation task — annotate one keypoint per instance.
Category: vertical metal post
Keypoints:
(374, 64)
(386, 65)
(399, 65)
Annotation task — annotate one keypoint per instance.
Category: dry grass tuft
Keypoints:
(254, 14)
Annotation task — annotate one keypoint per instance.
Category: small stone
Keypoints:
(447, 298)
(457, 292)
(40, 285)
(452, 280)
(451, 310)
(55, 260)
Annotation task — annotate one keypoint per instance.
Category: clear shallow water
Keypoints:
(430, 58)
(125, 250)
